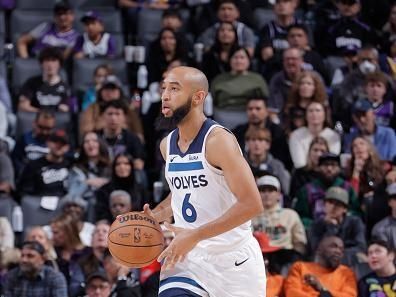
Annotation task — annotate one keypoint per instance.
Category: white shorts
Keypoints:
(238, 273)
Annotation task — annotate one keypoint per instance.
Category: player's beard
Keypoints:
(170, 123)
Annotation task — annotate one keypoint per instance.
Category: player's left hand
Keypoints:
(185, 240)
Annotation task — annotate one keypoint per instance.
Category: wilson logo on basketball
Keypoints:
(135, 217)
(136, 235)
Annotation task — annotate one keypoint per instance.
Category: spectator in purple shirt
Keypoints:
(95, 42)
(59, 33)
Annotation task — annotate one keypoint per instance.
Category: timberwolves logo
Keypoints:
(136, 235)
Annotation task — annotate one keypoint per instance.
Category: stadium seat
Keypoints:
(83, 70)
(229, 118)
(2, 23)
(92, 4)
(3, 69)
(33, 213)
(23, 21)
(22, 70)
(147, 33)
(262, 16)
(35, 4)
(111, 20)
(6, 206)
(25, 121)
(119, 41)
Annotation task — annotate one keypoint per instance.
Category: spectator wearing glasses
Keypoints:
(33, 144)
(59, 33)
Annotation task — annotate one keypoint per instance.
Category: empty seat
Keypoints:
(229, 118)
(119, 42)
(262, 16)
(7, 204)
(3, 70)
(89, 4)
(22, 70)
(149, 25)
(111, 20)
(22, 21)
(2, 22)
(83, 70)
(33, 213)
(36, 4)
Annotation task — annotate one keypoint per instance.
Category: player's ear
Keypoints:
(199, 97)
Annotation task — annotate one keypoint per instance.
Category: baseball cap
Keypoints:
(268, 181)
(338, 194)
(97, 274)
(329, 157)
(362, 105)
(72, 200)
(90, 15)
(62, 7)
(264, 242)
(391, 190)
(34, 245)
(59, 136)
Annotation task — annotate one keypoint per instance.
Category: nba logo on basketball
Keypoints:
(136, 235)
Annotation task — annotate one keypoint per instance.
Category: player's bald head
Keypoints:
(193, 76)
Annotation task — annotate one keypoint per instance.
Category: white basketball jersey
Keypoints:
(200, 193)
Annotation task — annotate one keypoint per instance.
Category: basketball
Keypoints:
(135, 239)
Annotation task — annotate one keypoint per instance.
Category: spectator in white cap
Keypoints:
(336, 222)
(386, 228)
(282, 225)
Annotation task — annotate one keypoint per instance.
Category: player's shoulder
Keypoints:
(219, 134)
(163, 146)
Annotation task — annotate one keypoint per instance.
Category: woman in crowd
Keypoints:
(69, 249)
(165, 49)
(92, 169)
(317, 125)
(305, 174)
(123, 178)
(307, 88)
(93, 260)
(216, 60)
(365, 170)
(100, 73)
(230, 89)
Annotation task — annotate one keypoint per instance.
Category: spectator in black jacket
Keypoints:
(46, 176)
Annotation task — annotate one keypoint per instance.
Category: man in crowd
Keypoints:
(310, 198)
(33, 144)
(46, 175)
(258, 116)
(258, 143)
(118, 139)
(325, 276)
(282, 225)
(228, 12)
(383, 138)
(281, 82)
(120, 203)
(59, 34)
(336, 222)
(386, 228)
(97, 285)
(298, 36)
(47, 90)
(381, 281)
(273, 39)
(33, 278)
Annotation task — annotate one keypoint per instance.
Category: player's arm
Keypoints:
(162, 211)
(222, 151)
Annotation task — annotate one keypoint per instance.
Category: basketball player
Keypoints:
(213, 197)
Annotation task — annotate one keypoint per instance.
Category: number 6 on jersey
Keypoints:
(188, 210)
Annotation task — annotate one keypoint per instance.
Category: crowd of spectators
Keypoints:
(308, 87)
